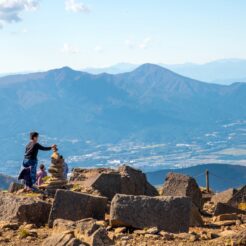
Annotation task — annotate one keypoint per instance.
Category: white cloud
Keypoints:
(75, 6)
(10, 10)
(69, 49)
(145, 43)
(140, 45)
(98, 49)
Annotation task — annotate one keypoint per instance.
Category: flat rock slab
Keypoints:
(223, 208)
(75, 206)
(171, 214)
(223, 196)
(23, 209)
(177, 184)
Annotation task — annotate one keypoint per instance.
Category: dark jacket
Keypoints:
(32, 150)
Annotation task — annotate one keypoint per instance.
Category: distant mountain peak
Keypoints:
(149, 68)
(63, 69)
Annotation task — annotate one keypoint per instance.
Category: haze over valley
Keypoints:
(150, 118)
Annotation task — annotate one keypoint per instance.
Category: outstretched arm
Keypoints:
(44, 148)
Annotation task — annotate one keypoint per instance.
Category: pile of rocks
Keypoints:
(56, 169)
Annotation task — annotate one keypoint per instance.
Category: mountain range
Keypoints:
(150, 104)
(225, 71)
(221, 176)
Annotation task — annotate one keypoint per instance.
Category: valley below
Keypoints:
(224, 145)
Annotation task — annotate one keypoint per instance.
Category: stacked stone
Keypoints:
(56, 170)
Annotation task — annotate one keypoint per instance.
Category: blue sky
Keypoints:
(40, 35)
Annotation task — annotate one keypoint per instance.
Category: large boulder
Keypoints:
(223, 196)
(171, 214)
(182, 185)
(23, 209)
(134, 182)
(223, 208)
(75, 206)
(108, 182)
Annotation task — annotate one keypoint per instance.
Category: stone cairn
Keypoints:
(56, 169)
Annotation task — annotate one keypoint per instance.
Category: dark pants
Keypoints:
(25, 175)
(32, 164)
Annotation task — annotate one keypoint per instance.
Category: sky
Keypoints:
(39, 35)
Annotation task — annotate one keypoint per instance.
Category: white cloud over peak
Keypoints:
(75, 6)
(10, 10)
(145, 43)
(69, 49)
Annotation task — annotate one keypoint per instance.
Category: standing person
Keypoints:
(41, 174)
(31, 153)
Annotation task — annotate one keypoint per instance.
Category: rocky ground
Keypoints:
(232, 232)
(85, 217)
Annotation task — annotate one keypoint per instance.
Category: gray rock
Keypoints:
(182, 185)
(75, 206)
(134, 182)
(108, 182)
(238, 197)
(195, 217)
(23, 209)
(62, 239)
(100, 238)
(14, 187)
(223, 196)
(171, 214)
(223, 208)
(86, 230)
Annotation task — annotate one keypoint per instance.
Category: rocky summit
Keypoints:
(106, 207)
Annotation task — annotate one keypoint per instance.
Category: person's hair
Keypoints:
(41, 166)
(33, 135)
